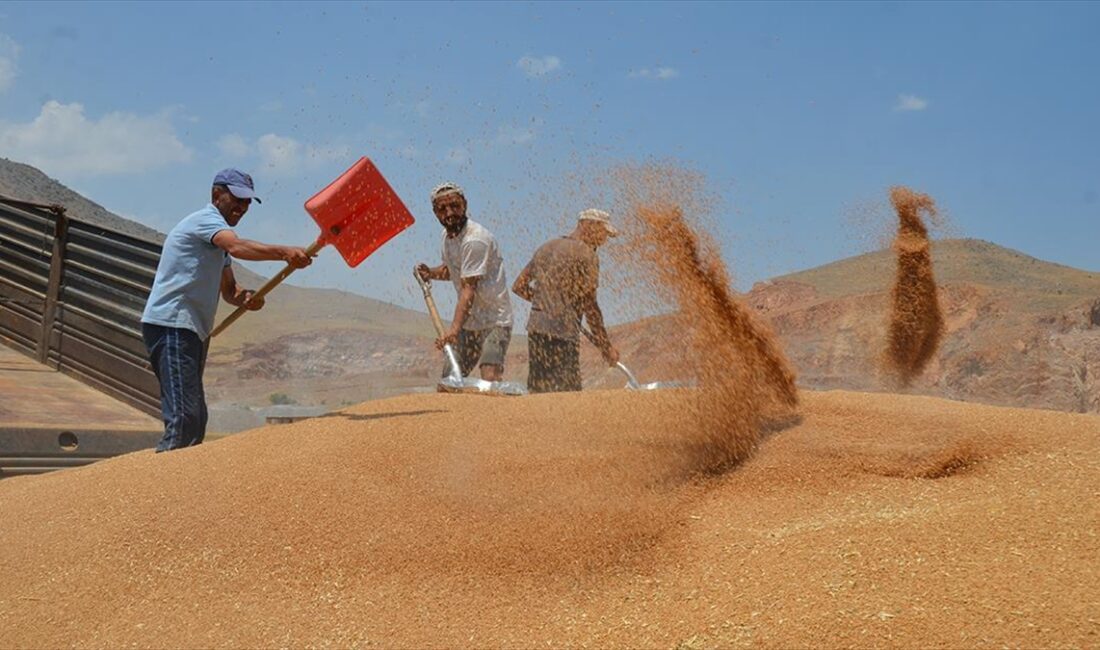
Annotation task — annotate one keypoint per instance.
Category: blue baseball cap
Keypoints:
(238, 182)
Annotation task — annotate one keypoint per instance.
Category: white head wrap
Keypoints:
(601, 217)
(447, 188)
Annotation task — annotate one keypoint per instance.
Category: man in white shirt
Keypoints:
(482, 325)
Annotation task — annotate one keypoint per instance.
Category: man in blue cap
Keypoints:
(194, 267)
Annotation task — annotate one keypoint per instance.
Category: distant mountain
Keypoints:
(27, 183)
(1020, 331)
(970, 261)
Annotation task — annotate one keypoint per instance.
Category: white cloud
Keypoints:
(510, 134)
(234, 146)
(283, 155)
(278, 154)
(408, 152)
(62, 140)
(660, 72)
(910, 103)
(9, 52)
(538, 66)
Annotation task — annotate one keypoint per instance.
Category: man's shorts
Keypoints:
(555, 364)
(477, 348)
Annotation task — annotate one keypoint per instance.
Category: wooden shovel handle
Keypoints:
(426, 287)
(264, 290)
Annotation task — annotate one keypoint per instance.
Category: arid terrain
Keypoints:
(827, 272)
(449, 520)
(739, 512)
(1019, 332)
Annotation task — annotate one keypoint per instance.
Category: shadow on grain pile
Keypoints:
(918, 439)
(953, 458)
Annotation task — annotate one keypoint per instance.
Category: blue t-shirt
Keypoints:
(189, 275)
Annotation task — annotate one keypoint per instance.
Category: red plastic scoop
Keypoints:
(357, 213)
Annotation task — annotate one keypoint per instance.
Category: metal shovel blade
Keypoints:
(456, 383)
(470, 385)
(633, 384)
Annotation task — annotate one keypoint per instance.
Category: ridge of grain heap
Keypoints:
(743, 376)
(916, 319)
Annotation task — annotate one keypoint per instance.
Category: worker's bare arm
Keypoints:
(593, 315)
(522, 286)
(247, 249)
(466, 295)
(237, 295)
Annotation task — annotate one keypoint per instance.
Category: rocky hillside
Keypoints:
(26, 183)
(1020, 331)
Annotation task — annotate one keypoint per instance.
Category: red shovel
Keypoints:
(357, 213)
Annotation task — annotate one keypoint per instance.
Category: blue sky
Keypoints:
(800, 116)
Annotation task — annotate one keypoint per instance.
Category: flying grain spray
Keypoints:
(743, 377)
(916, 320)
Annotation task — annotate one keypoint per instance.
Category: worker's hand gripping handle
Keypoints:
(264, 290)
(452, 360)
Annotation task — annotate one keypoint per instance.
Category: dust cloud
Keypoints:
(743, 377)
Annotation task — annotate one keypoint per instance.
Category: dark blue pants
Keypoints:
(178, 357)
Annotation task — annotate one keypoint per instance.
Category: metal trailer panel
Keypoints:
(71, 294)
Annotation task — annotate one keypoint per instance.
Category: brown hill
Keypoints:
(317, 346)
(1020, 331)
(27, 183)
(293, 310)
(571, 520)
(970, 261)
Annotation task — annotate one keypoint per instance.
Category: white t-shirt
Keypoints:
(474, 253)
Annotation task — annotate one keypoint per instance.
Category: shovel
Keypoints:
(455, 382)
(632, 382)
(357, 213)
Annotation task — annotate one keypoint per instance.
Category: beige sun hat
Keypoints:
(592, 214)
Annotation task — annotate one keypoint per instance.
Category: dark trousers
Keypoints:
(554, 364)
(178, 357)
(476, 348)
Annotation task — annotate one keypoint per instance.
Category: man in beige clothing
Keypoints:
(560, 281)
